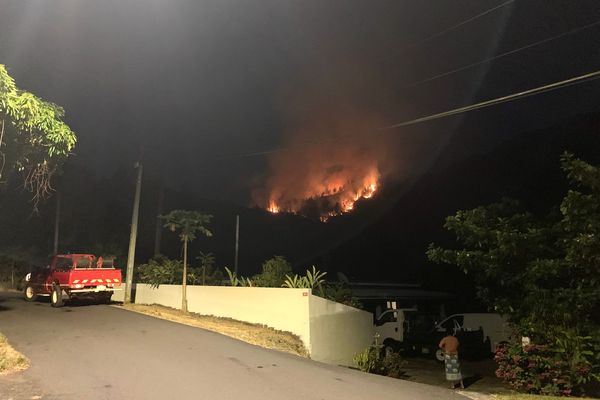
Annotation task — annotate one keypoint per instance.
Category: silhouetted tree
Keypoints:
(187, 224)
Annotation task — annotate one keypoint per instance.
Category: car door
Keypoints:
(38, 278)
(60, 271)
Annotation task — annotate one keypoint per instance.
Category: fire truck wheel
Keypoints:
(56, 299)
(29, 293)
(104, 298)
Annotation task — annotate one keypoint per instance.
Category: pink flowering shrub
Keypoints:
(551, 369)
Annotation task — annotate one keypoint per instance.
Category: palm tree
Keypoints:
(207, 260)
(187, 224)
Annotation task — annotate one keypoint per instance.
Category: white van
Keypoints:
(494, 326)
(391, 326)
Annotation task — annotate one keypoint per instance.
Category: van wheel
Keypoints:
(29, 293)
(439, 355)
(56, 299)
(389, 346)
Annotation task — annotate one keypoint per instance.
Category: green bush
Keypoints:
(206, 274)
(341, 293)
(368, 360)
(372, 361)
(273, 273)
(314, 279)
(161, 271)
(562, 367)
(164, 271)
(393, 364)
(235, 280)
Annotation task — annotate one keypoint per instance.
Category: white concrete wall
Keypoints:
(166, 295)
(282, 309)
(119, 295)
(331, 332)
(337, 331)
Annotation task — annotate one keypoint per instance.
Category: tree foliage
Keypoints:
(34, 139)
(274, 272)
(188, 224)
(207, 273)
(314, 279)
(503, 246)
(543, 273)
(160, 271)
(235, 280)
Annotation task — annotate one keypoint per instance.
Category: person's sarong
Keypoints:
(452, 367)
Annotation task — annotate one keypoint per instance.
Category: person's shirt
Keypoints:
(449, 345)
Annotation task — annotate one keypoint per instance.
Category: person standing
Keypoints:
(449, 345)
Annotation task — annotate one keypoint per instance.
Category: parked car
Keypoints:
(73, 276)
(494, 326)
(478, 333)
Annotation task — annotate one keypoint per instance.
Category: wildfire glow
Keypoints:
(334, 196)
(273, 207)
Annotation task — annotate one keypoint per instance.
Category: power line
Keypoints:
(507, 53)
(504, 99)
(484, 104)
(456, 26)
(557, 85)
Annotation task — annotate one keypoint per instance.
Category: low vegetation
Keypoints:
(372, 360)
(256, 334)
(275, 272)
(10, 359)
(161, 270)
(547, 369)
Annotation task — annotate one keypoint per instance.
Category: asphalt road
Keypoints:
(101, 352)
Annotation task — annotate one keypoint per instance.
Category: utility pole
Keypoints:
(237, 243)
(56, 223)
(159, 222)
(133, 235)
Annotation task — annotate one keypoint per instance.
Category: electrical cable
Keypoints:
(455, 111)
(504, 99)
(507, 53)
(453, 27)
(484, 104)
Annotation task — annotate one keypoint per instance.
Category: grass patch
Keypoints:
(256, 334)
(10, 359)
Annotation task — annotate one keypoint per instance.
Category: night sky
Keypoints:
(204, 85)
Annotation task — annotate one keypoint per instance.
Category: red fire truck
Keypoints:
(73, 276)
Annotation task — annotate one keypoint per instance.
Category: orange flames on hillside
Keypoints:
(328, 195)
(333, 155)
(334, 159)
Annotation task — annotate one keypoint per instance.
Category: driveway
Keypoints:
(101, 352)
